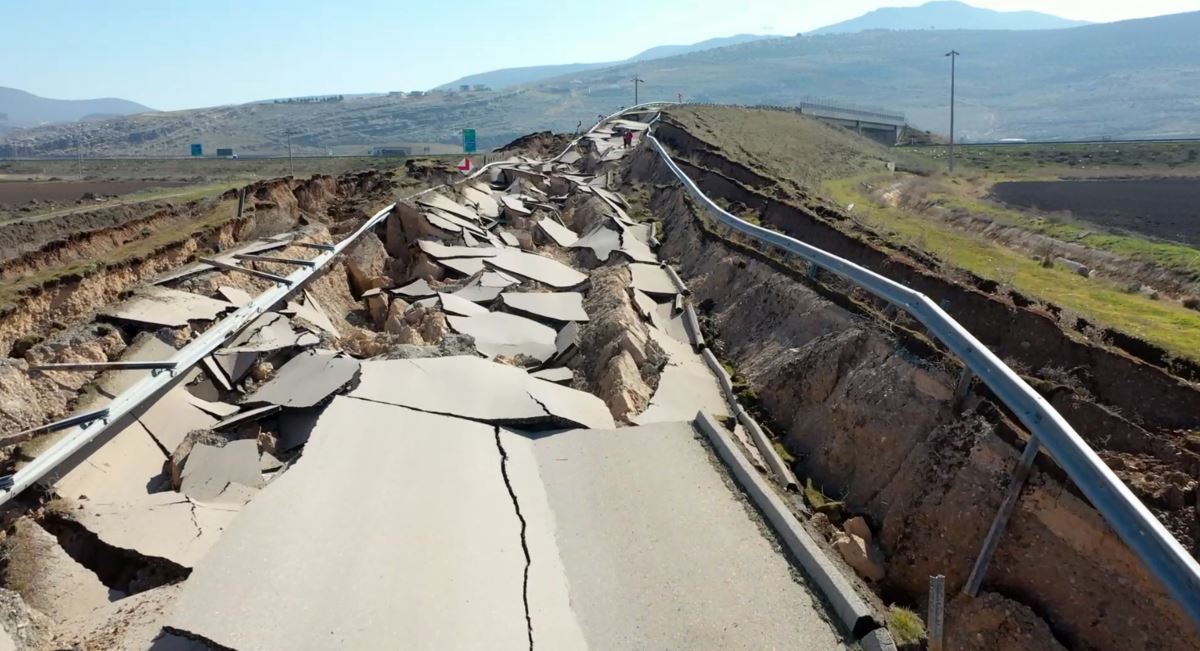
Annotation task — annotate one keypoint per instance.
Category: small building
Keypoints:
(391, 152)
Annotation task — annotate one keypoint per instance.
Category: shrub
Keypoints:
(905, 625)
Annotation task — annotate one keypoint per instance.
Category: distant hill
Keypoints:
(507, 77)
(24, 109)
(1133, 78)
(947, 14)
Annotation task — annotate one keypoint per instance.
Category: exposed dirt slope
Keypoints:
(870, 418)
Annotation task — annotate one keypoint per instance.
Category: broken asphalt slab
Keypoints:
(454, 580)
(209, 469)
(552, 306)
(498, 333)
(307, 379)
(478, 389)
(538, 268)
(159, 306)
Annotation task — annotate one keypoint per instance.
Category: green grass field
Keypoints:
(1176, 257)
(1167, 324)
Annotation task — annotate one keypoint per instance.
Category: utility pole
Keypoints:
(291, 170)
(79, 151)
(636, 80)
(953, 54)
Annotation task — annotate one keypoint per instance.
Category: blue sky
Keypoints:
(175, 54)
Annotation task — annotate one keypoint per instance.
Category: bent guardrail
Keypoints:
(90, 426)
(1166, 559)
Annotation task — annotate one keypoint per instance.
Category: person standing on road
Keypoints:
(628, 138)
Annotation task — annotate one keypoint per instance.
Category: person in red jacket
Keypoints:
(628, 139)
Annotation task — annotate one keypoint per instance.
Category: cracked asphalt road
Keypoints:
(404, 529)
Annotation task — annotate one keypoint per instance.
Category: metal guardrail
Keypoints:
(127, 402)
(1166, 559)
(92, 425)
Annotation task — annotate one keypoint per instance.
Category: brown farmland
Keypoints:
(21, 192)
(1163, 208)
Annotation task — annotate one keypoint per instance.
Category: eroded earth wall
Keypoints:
(874, 423)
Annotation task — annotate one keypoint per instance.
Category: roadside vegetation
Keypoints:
(906, 626)
(800, 152)
(1169, 255)
(210, 217)
(1164, 323)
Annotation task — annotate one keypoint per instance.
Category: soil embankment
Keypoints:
(870, 417)
(54, 282)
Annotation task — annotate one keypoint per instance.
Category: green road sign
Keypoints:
(468, 141)
(197, 149)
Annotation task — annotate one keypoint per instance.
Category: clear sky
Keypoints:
(174, 54)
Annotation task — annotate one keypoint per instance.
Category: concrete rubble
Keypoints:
(159, 306)
(550, 306)
(498, 333)
(454, 446)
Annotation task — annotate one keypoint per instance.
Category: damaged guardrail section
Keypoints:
(1134, 523)
(90, 427)
(153, 385)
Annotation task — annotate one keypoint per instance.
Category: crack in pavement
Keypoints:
(516, 422)
(195, 522)
(524, 543)
(541, 404)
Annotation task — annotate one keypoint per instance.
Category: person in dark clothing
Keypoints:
(628, 137)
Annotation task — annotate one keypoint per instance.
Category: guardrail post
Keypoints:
(937, 609)
(1020, 474)
(963, 386)
(812, 271)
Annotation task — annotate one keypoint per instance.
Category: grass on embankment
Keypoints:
(798, 150)
(1169, 325)
(11, 292)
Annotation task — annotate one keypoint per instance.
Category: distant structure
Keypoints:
(393, 152)
(311, 100)
(879, 125)
(480, 87)
(465, 88)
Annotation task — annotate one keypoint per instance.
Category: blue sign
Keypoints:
(468, 141)
(197, 149)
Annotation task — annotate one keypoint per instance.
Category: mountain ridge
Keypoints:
(508, 77)
(1104, 80)
(24, 109)
(948, 14)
